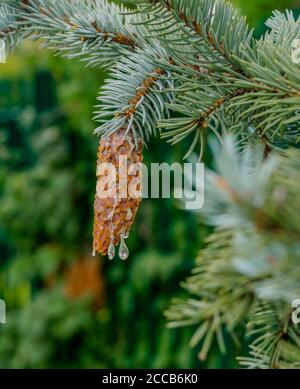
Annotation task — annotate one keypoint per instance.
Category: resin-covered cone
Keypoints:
(118, 194)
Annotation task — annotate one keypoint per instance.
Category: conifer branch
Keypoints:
(76, 28)
(216, 23)
(142, 97)
(252, 257)
(276, 343)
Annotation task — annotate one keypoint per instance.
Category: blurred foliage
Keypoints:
(47, 169)
(258, 11)
(61, 310)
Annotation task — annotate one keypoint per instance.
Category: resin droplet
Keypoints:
(123, 250)
(94, 252)
(111, 250)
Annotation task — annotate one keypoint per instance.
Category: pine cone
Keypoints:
(114, 214)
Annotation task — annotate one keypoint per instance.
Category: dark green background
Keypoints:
(47, 185)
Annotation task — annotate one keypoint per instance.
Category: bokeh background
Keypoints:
(66, 309)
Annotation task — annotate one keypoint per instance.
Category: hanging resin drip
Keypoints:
(123, 249)
(111, 250)
(94, 252)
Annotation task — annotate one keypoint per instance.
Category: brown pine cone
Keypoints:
(113, 213)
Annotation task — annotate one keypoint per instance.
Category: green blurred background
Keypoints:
(66, 309)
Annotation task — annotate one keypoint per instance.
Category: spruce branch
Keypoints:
(136, 96)
(208, 26)
(8, 27)
(284, 28)
(217, 309)
(277, 339)
(219, 42)
(254, 254)
(95, 31)
(222, 79)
